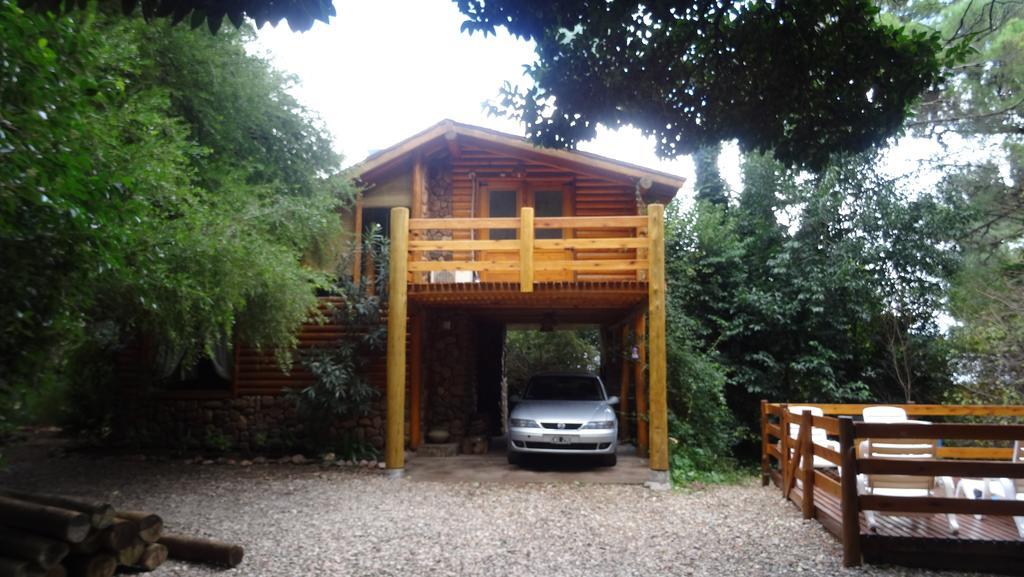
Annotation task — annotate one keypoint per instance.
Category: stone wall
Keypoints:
(248, 424)
(450, 362)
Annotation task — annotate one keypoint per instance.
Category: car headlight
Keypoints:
(524, 423)
(599, 425)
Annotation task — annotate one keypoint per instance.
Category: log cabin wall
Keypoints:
(254, 415)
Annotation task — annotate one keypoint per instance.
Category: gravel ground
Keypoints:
(303, 520)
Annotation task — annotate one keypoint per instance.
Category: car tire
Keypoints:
(609, 460)
(514, 458)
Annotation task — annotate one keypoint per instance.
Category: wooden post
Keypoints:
(765, 461)
(658, 368)
(357, 260)
(784, 445)
(641, 386)
(415, 380)
(398, 268)
(526, 249)
(850, 509)
(624, 381)
(807, 460)
(418, 186)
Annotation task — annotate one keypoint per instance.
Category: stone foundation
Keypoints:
(247, 424)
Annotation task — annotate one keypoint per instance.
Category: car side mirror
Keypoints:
(613, 400)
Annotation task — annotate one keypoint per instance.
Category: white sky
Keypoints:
(375, 87)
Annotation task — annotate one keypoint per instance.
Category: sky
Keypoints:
(383, 71)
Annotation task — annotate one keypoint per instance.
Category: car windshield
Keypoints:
(564, 388)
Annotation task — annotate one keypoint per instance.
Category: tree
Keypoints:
(300, 14)
(709, 185)
(803, 80)
(144, 193)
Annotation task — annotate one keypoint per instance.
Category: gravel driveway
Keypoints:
(303, 520)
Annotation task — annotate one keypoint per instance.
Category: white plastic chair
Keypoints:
(903, 485)
(818, 435)
(884, 414)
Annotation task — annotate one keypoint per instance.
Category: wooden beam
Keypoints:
(418, 185)
(849, 505)
(941, 431)
(394, 444)
(658, 367)
(765, 462)
(624, 380)
(357, 260)
(452, 138)
(807, 460)
(415, 380)
(526, 249)
(641, 385)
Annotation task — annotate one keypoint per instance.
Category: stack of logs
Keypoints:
(54, 536)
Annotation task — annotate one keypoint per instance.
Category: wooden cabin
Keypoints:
(488, 231)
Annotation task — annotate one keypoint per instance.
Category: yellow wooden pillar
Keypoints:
(526, 235)
(398, 307)
(656, 320)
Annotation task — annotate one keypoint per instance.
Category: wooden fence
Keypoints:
(785, 460)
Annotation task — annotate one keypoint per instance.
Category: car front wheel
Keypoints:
(514, 458)
(609, 460)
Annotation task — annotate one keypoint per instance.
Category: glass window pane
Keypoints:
(502, 204)
(548, 203)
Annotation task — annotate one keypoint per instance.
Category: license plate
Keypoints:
(563, 439)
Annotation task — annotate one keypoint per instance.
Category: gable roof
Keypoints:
(660, 185)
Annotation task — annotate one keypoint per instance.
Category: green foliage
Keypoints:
(532, 351)
(804, 80)
(145, 187)
(350, 448)
(341, 388)
(300, 14)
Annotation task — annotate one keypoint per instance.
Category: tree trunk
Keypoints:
(150, 526)
(202, 550)
(62, 524)
(100, 514)
(39, 550)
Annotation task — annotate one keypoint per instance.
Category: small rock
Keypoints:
(232, 462)
(260, 461)
(221, 460)
(298, 460)
(381, 465)
(363, 463)
(284, 460)
(246, 463)
(329, 457)
(208, 462)
(372, 464)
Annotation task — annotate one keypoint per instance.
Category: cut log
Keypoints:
(150, 526)
(14, 567)
(131, 554)
(100, 514)
(39, 550)
(202, 550)
(100, 565)
(62, 524)
(153, 556)
(120, 535)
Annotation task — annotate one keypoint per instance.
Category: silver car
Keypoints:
(564, 413)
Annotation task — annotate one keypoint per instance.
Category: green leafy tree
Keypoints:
(803, 80)
(532, 351)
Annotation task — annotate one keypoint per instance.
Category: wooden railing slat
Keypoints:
(828, 454)
(940, 505)
(978, 432)
(936, 467)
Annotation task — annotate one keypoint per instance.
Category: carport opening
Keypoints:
(531, 349)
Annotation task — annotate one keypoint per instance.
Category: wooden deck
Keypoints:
(923, 539)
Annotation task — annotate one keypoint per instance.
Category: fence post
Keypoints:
(849, 504)
(807, 460)
(526, 235)
(398, 306)
(765, 462)
(784, 445)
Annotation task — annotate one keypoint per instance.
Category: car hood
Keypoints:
(563, 411)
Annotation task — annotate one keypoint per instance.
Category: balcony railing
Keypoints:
(447, 250)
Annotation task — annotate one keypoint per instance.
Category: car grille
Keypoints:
(567, 426)
(562, 446)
